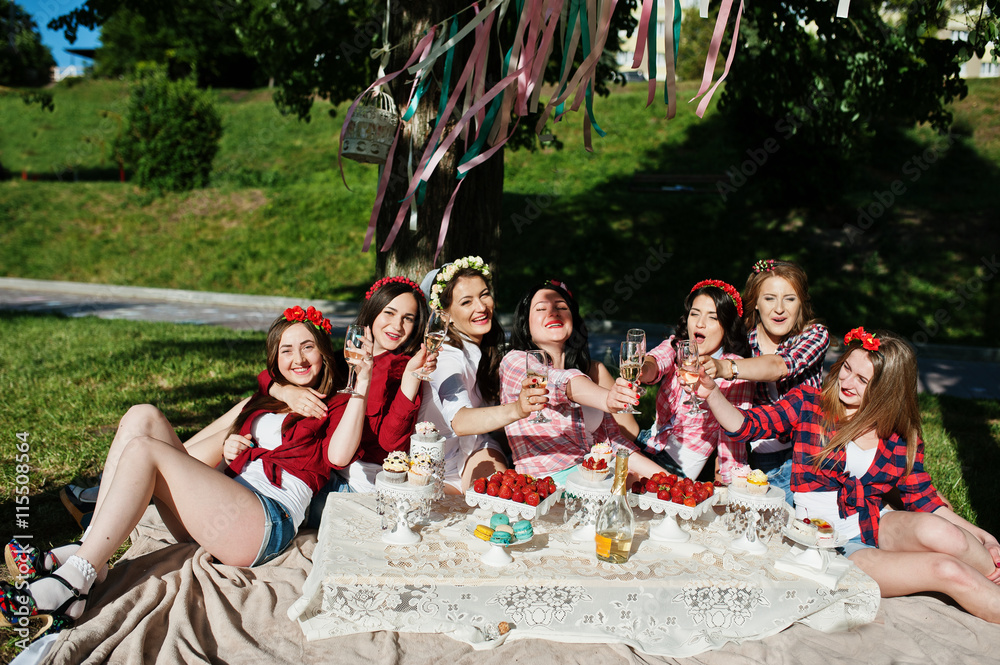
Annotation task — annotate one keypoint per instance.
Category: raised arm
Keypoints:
(346, 437)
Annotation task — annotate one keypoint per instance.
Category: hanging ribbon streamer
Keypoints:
(671, 43)
(726, 6)
(651, 61)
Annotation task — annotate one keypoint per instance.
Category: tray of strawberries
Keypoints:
(667, 493)
(515, 494)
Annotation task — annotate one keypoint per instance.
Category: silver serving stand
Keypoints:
(396, 502)
(753, 513)
(584, 499)
(668, 530)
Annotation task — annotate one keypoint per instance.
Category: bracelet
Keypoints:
(734, 369)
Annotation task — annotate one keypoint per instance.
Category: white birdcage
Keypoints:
(371, 130)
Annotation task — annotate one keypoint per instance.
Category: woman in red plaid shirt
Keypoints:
(857, 439)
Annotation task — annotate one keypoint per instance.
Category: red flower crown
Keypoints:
(394, 280)
(310, 315)
(764, 265)
(733, 294)
(868, 341)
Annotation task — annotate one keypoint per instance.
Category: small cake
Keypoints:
(500, 538)
(757, 482)
(740, 473)
(523, 530)
(825, 532)
(395, 467)
(594, 469)
(421, 470)
(483, 532)
(499, 519)
(805, 531)
(603, 450)
(426, 432)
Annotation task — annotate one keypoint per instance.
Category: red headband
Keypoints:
(728, 288)
(394, 280)
(868, 341)
(311, 315)
(561, 285)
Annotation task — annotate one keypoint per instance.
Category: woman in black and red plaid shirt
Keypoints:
(854, 441)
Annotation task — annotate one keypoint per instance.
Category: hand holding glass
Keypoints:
(434, 336)
(352, 351)
(536, 365)
(688, 371)
(629, 365)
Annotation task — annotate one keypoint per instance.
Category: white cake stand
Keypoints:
(772, 500)
(497, 555)
(668, 530)
(591, 495)
(398, 500)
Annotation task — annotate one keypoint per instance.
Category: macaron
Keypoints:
(523, 530)
(483, 532)
(498, 519)
(500, 538)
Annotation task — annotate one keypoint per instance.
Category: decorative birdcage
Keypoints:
(371, 130)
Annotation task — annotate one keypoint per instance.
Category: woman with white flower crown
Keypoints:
(462, 397)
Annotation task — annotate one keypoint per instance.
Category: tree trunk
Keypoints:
(475, 218)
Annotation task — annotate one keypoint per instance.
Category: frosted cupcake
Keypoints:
(421, 470)
(395, 467)
(426, 432)
(757, 482)
(739, 476)
(603, 451)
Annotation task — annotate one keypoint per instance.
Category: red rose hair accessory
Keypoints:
(394, 280)
(868, 341)
(561, 285)
(764, 265)
(311, 315)
(733, 294)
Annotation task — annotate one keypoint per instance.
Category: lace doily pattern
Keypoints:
(556, 589)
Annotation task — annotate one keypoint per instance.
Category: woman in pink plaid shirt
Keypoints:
(680, 440)
(581, 392)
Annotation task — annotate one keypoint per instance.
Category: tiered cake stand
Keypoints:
(396, 502)
(583, 499)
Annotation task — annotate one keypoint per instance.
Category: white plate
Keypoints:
(803, 540)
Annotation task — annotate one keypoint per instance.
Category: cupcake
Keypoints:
(395, 467)
(426, 432)
(421, 470)
(603, 450)
(594, 469)
(739, 475)
(757, 482)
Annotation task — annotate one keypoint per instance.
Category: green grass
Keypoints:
(278, 221)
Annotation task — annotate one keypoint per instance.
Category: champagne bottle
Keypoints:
(615, 521)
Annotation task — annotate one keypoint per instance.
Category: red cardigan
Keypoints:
(390, 415)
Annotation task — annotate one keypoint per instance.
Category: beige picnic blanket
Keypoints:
(169, 603)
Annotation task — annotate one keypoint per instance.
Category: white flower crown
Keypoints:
(447, 273)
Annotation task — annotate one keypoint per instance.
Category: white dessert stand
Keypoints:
(591, 495)
(512, 509)
(772, 500)
(813, 559)
(497, 555)
(434, 450)
(399, 500)
(668, 530)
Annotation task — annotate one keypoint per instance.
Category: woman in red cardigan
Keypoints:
(256, 506)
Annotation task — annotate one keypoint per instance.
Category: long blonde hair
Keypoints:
(889, 405)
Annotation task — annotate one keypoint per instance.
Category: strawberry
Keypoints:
(672, 479)
(517, 497)
(479, 487)
(505, 492)
(663, 495)
(496, 478)
(677, 498)
(690, 501)
(532, 498)
(493, 489)
(652, 486)
(637, 487)
(542, 490)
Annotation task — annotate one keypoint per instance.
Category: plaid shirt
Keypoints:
(803, 355)
(799, 415)
(699, 432)
(541, 449)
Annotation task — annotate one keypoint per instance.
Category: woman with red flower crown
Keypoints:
(787, 349)
(683, 439)
(856, 440)
(243, 517)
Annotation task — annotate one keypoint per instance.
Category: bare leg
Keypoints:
(906, 531)
(903, 573)
(219, 513)
(482, 464)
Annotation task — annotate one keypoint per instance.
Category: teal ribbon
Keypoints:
(449, 61)
(677, 41)
(651, 43)
(589, 94)
(574, 10)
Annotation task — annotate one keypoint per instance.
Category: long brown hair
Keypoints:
(488, 372)
(385, 294)
(795, 276)
(889, 405)
(331, 376)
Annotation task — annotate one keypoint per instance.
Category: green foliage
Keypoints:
(172, 133)
(696, 34)
(24, 60)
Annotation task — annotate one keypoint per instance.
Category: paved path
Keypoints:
(958, 371)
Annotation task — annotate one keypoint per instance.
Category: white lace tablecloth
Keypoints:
(556, 588)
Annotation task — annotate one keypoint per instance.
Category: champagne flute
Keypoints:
(638, 335)
(434, 336)
(629, 364)
(536, 364)
(352, 350)
(687, 359)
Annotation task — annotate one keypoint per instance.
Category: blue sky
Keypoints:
(43, 11)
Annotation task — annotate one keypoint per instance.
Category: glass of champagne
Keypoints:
(688, 370)
(352, 350)
(630, 362)
(536, 364)
(638, 335)
(437, 331)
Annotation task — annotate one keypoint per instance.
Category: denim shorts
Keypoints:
(853, 545)
(278, 529)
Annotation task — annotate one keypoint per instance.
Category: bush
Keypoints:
(172, 133)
